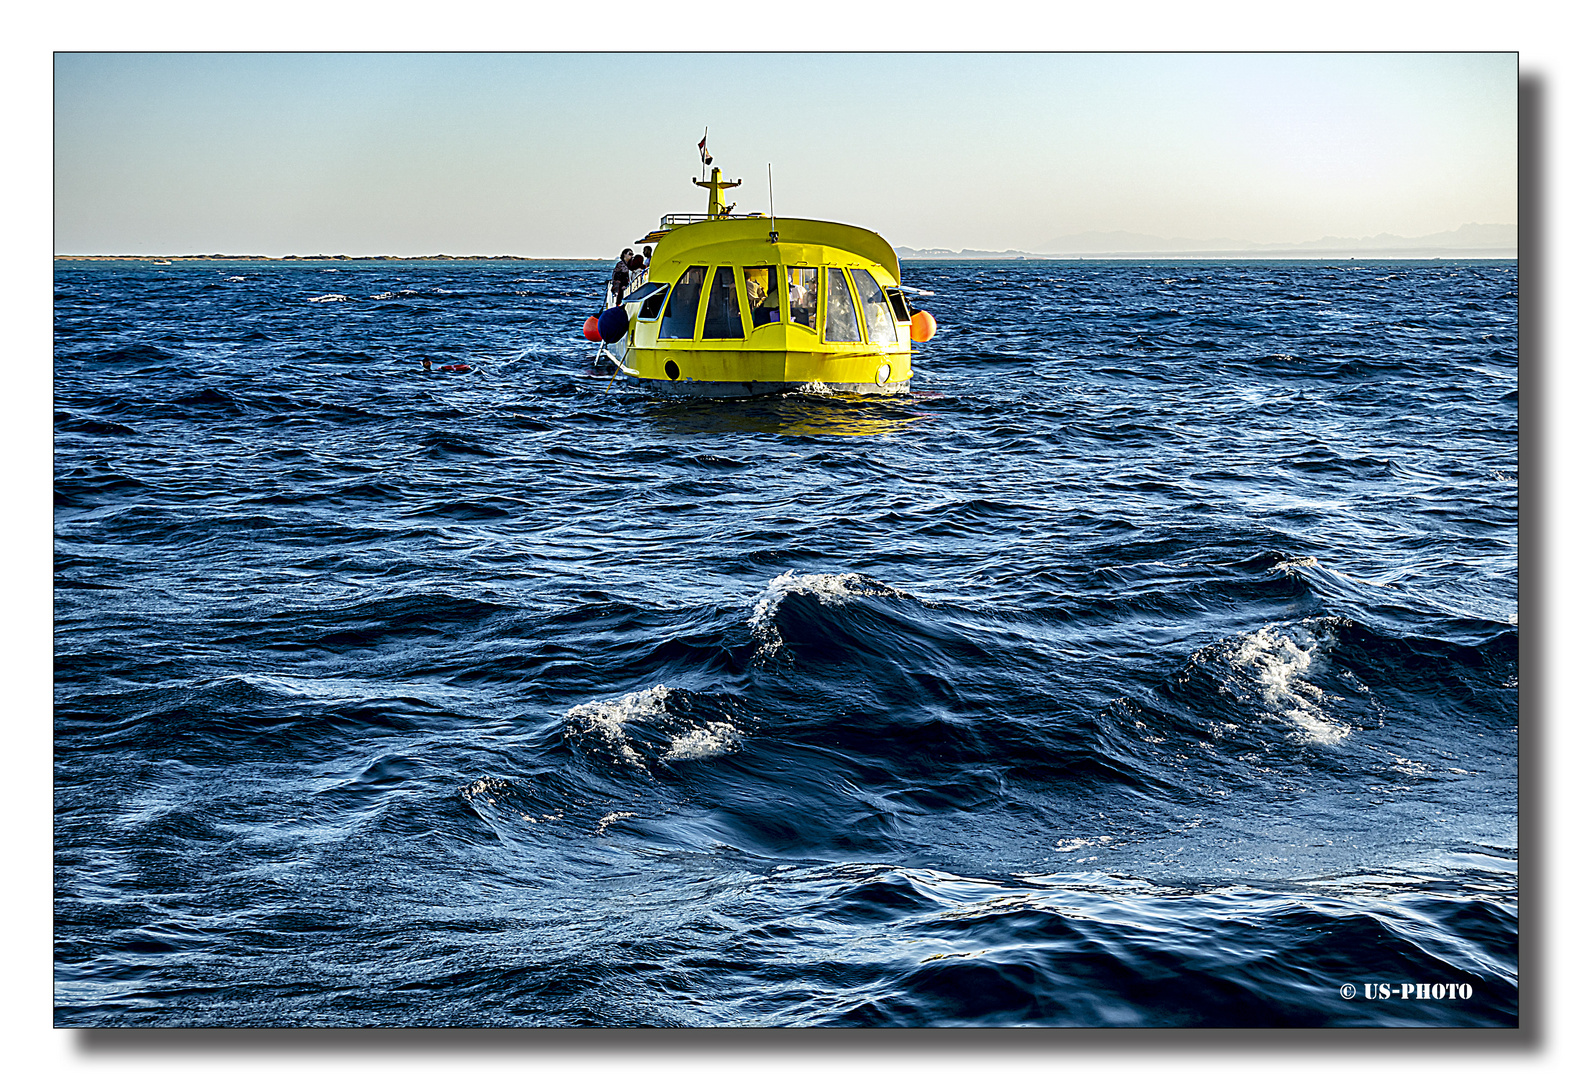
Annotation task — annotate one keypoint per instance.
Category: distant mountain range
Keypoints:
(1499, 241)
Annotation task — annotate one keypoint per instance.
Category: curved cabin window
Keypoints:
(650, 296)
(682, 310)
(803, 284)
(723, 318)
(764, 298)
(840, 317)
(875, 309)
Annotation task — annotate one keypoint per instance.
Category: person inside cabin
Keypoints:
(803, 284)
(620, 275)
(764, 302)
(649, 253)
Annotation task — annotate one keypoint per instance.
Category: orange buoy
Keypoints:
(923, 326)
(592, 330)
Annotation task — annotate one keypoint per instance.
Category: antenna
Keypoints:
(774, 236)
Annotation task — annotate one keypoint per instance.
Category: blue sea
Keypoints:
(1153, 664)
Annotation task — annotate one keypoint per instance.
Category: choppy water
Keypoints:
(1154, 664)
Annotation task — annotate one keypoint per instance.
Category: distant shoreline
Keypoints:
(1418, 255)
(310, 258)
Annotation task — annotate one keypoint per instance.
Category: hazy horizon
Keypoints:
(535, 155)
(1131, 242)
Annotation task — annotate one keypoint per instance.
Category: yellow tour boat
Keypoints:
(736, 305)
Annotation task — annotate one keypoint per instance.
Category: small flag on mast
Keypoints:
(704, 155)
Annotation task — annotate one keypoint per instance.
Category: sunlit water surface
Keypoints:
(1154, 663)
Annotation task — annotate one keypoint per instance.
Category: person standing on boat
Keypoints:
(620, 275)
(641, 267)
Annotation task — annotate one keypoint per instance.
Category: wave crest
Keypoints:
(705, 741)
(1277, 661)
(653, 725)
(834, 589)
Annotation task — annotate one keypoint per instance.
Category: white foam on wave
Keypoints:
(1277, 659)
(607, 721)
(607, 718)
(491, 789)
(1288, 565)
(829, 588)
(330, 298)
(612, 819)
(1075, 843)
(1293, 567)
(483, 789)
(707, 741)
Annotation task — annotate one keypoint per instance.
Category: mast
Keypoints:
(715, 185)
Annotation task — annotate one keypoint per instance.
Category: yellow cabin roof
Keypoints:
(745, 241)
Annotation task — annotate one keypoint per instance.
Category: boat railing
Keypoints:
(671, 221)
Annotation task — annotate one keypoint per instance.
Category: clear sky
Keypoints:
(575, 155)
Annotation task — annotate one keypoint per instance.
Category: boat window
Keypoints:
(651, 306)
(803, 282)
(903, 313)
(723, 318)
(643, 292)
(875, 309)
(840, 317)
(682, 310)
(764, 298)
